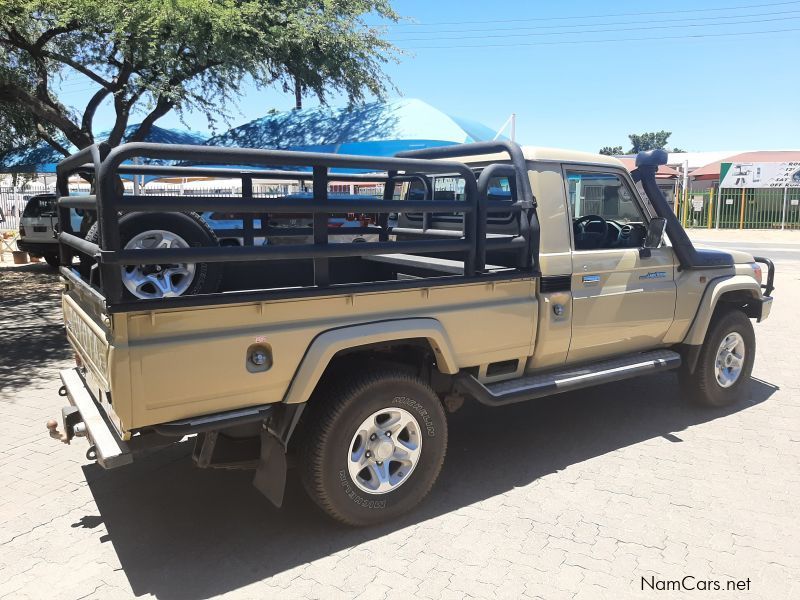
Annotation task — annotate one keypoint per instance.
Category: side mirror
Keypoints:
(655, 232)
(654, 237)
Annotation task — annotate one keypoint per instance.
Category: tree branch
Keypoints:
(43, 111)
(51, 33)
(91, 108)
(78, 67)
(163, 106)
(42, 133)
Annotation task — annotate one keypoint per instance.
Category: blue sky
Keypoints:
(731, 88)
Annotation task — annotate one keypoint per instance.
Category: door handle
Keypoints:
(591, 279)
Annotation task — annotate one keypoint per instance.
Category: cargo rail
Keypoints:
(104, 167)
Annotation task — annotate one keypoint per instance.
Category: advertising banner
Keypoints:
(760, 175)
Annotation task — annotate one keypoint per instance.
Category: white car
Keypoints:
(37, 234)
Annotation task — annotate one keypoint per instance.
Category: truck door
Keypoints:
(622, 301)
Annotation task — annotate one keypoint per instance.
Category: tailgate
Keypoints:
(89, 335)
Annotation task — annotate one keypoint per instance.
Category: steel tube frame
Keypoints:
(108, 201)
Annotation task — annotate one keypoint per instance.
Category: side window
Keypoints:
(605, 212)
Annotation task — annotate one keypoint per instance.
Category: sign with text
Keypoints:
(760, 175)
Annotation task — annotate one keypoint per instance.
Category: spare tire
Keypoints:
(165, 230)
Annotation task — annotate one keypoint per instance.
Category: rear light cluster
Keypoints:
(758, 273)
(22, 230)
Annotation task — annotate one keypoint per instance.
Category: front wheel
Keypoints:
(374, 447)
(723, 370)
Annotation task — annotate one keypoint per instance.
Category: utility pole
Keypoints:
(513, 127)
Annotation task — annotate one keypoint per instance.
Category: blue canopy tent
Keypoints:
(376, 129)
(44, 158)
(373, 129)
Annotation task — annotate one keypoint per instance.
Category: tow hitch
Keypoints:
(84, 418)
(72, 420)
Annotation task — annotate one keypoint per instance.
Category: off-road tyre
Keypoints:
(702, 387)
(190, 226)
(52, 260)
(334, 415)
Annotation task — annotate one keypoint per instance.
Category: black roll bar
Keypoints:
(529, 225)
(108, 200)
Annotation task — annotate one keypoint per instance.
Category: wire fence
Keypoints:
(13, 201)
(740, 208)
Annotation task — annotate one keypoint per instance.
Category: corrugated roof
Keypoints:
(711, 170)
(664, 172)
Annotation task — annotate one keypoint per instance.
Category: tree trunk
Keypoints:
(298, 95)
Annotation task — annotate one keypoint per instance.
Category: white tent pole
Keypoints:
(503, 128)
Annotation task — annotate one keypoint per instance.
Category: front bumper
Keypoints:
(764, 307)
(109, 449)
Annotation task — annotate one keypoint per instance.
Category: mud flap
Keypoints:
(270, 477)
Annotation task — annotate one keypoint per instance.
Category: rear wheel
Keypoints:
(723, 370)
(374, 447)
(148, 231)
(52, 260)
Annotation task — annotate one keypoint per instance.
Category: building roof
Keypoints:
(712, 170)
(664, 172)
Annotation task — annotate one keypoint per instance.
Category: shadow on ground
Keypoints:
(30, 321)
(184, 533)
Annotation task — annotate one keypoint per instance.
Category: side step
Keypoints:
(538, 385)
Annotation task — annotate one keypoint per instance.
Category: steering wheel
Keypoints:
(589, 240)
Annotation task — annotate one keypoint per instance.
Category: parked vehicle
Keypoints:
(540, 271)
(37, 226)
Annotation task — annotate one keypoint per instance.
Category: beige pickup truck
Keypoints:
(499, 274)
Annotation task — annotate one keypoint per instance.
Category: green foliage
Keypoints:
(652, 140)
(611, 150)
(154, 56)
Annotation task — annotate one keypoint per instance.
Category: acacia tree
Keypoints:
(650, 140)
(150, 57)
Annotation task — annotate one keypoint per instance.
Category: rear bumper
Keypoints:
(109, 448)
(38, 248)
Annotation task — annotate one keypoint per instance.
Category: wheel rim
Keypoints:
(730, 359)
(384, 451)
(157, 281)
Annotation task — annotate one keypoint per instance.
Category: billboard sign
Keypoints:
(760, 175)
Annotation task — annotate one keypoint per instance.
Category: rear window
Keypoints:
(452, 188)
(40, 207)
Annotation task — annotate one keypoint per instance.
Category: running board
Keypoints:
(538, 385)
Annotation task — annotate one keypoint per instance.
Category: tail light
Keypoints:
(758, 273)
(22, 230)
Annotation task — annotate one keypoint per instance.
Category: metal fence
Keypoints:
(740, 208)
(13, 201)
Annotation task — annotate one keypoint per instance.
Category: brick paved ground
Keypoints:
(578, 496)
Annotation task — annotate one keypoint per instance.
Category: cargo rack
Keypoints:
(104, 166)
